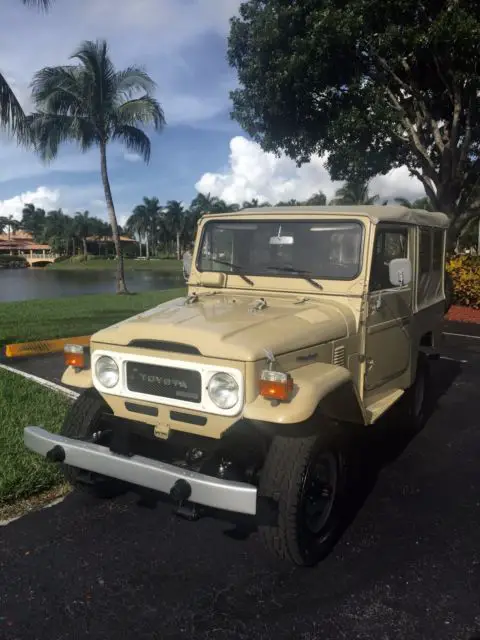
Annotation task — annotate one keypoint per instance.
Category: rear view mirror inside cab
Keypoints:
(281, 240)
(400, 272)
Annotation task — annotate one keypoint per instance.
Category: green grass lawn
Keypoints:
(24, 403)
(163, 265)
(76, 316)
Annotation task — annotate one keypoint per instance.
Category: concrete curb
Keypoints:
(73, 395)
(43, 347)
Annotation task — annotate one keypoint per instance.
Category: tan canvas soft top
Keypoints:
(376, 213)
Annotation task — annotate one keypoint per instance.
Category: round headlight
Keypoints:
(223, 390)
(106, 370)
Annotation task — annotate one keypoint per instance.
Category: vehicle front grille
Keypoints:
(164, 382)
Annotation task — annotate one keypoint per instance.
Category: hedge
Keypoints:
(7, 260)
(465, 273)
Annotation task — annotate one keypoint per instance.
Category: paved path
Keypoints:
(407, 568)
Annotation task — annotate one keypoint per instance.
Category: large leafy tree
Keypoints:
(92, 103)
(376, 84)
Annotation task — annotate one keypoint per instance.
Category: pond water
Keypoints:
(28, 284)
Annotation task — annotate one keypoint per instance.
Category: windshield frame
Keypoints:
(278, 274)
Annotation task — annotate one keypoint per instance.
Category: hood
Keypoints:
(227, 326)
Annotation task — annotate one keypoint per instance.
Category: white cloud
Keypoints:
(253, 173)
(131, 157)
(42, 198)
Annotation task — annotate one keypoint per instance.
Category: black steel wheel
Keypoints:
(84, 422)
(307, 477)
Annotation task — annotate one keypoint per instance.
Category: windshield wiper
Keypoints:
(306, 275)
(237, 269)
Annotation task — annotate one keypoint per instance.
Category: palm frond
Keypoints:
(134, 139)
(133, 79)
(12, 117)
(57, 89)
(49, 131)
(145, 110)
(41, 4)
(97, 64)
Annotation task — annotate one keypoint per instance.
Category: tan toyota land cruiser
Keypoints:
(300, 326)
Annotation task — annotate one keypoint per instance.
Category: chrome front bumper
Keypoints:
(208, 491)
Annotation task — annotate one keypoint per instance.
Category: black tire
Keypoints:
(417, 397)
(81, 422)
(285, 477)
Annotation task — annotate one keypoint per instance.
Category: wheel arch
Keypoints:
(319, 389)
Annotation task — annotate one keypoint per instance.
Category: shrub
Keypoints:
(465, 273)
(7, 260)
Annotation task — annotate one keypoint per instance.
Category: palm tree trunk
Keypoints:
(121, 285)
(178, 245)
(84, 240)
(147, 248)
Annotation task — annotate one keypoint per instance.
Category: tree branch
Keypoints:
(443, 78)
(427, 185)
(467, 138)
(427, 116)
(420, 149)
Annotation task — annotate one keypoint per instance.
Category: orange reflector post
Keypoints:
(276, 385)
(74, 356)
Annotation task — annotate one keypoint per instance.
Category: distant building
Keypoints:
(22, 244)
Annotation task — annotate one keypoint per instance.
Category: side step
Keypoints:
(381, 402)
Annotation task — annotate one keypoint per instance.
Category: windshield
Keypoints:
(325, 250)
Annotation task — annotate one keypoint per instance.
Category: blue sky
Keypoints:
(182, 44)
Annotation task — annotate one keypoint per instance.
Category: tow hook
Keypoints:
(56, 454)
(180, 493)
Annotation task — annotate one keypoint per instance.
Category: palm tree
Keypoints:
(419, 203)
(175, 221)
(83, 227)
(9, 223)
(33, 220)
(354, 192)
(143, 221)
(12, 117)
(92, 103)
(317, 199)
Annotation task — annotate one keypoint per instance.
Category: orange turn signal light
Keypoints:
(74, 356)
(275, 385)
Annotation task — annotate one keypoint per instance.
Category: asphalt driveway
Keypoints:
(408, 567)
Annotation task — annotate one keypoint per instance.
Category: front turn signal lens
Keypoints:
(74, 356)
(275, 385)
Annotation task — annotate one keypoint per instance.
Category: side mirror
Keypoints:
(400, 272)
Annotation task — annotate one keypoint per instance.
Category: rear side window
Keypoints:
(430, 266)
(438, 250)
(425, 251)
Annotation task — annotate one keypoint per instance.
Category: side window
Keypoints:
(425, 251)
(430, 267)
(438, 250)
(390, 244)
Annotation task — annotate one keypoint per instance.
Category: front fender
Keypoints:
(81, 379)
(317, 387)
